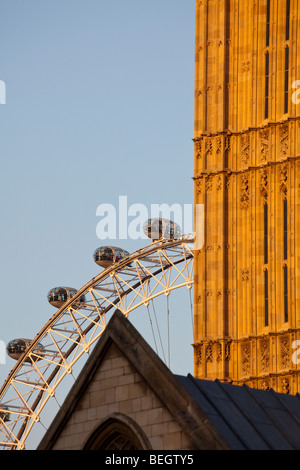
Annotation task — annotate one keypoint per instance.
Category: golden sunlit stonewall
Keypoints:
(247, 175)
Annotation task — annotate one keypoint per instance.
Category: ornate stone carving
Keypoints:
(265, 385)
(245, 192)
(246, 65)
(218, 145)
(245, 149)
(213, 351)
(263, 174)
(264, 145)
(198, 148)
(219, 183)
(284, 180)
(227, 143)
(208, 183)
(284, 352)
(284, 140)
(227, 181)
(227, 351)
(208, 353)
(198, 354)
(264, 354)
(246, 358)
(199, 185)
(208, 147)
(245, 273)
(219, 352)
(285, 385)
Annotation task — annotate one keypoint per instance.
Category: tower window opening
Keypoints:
(267, 73)
(285, 253)
(285, 241)
(265, 233)
(268, 24)
(286, 80)
(285, 282)
(266, 298)
(287, 21)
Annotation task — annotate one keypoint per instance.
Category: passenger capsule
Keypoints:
(59, 295)
(17, 347)
(4, 415)
(107, 255)
(161, 228)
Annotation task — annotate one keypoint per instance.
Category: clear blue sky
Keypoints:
(99, 103)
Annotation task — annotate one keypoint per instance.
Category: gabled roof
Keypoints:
(215, 415)
(248, 418)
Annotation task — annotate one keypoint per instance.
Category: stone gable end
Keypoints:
(118, 388)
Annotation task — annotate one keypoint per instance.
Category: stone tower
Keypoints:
(247, 175)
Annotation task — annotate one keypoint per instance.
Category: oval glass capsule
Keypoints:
(17, 347)
(158, 228)
(58, 296)
(105, 256)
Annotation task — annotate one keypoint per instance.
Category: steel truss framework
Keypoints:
(72, 331)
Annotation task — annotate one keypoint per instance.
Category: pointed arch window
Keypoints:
(117, 433)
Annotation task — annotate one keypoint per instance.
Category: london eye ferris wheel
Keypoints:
(127, 283)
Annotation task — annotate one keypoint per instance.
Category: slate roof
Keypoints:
(247, 418)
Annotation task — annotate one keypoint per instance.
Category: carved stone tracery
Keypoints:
(208, 147)
(285, 385)
(264, 355)
(245, 149)
(213, 351)
(264, 184)
(199, 185)
(198, 148)
(284, 141)
(284, 352)
(245, 191)
(264, 145)
(284, 180)
(209, 353)
(245, 358)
